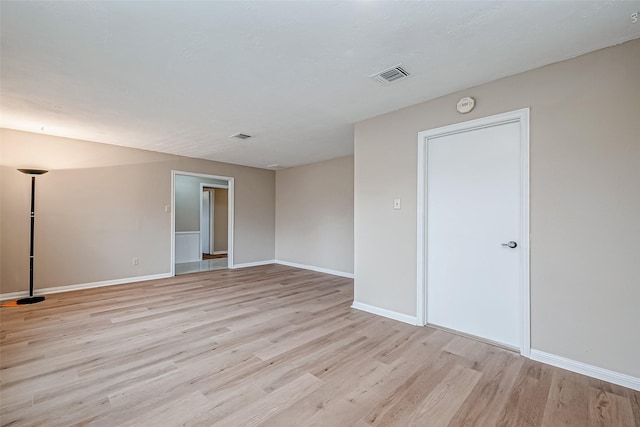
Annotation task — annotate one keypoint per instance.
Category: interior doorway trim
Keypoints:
(203, 187)
(230, 222)
(521, 116)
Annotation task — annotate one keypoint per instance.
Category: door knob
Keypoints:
(511, 244)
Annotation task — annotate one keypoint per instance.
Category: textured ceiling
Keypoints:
(180, 77)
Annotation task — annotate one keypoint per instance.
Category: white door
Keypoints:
(473, 217)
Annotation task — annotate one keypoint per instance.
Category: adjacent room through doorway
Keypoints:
(202, 222)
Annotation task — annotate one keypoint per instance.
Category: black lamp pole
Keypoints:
(33, 172)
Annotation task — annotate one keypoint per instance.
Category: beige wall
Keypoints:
(585, 202)
(220, 218)
(102, 205)
(314, 214)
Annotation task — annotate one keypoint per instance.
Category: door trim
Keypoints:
(230, 222)
(210, 188)
(521, 116)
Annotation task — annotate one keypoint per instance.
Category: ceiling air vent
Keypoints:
(240, 136)
(391, 75)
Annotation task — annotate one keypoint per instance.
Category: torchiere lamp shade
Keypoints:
(33, 172)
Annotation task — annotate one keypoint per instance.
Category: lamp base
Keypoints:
(29, 300)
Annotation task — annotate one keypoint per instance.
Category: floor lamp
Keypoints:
(33, 172)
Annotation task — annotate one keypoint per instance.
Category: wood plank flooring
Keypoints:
(270, 346)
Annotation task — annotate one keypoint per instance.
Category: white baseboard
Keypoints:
(585, 369)
(254, 264)
(80, 286)
(15, 295)
(314, 268)
(412, 320)
(220, 252)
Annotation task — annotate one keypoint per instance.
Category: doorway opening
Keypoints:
(473, 229)
(213, 227)
(201, 222)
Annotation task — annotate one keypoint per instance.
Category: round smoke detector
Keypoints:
(465, 105)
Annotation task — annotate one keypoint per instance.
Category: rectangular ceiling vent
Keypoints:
(391, 75)
(240, 136)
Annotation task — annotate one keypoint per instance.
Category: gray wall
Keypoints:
(101, 205)
(585, 202)
(188, 196)
(314, 214)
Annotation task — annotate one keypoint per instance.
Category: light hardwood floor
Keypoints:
(273, 346)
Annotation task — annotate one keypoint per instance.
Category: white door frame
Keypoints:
(211, 219)
(230, 224)
(204, 185)
(521, 116)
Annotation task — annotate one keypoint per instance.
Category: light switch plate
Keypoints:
(396, 203)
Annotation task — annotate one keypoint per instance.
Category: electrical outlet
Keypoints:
(135, 261)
